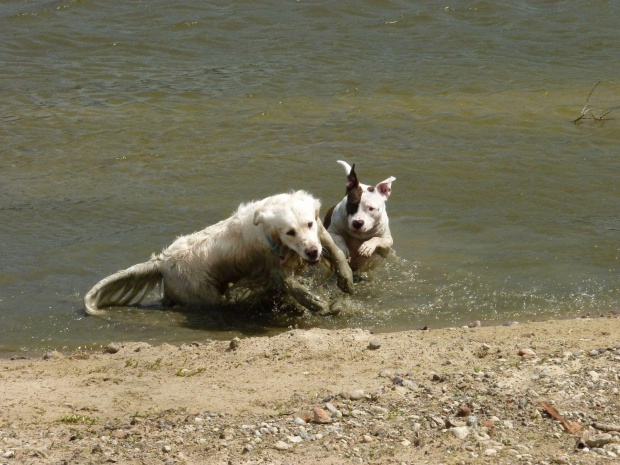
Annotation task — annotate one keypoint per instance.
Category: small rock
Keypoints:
(49, 355)
(527, 353)
(112, 348)
(374, 344)
(472, 421)
(9, 454)
(490, 452)
(299, 421)
(475, 324)
(511, 323)
(366, 438)
(234, 344)
(460, 432)
(356, 395)
(406, 442)
(464, 411)
(281, 445)
(166, 449)
(320, 416)
(598, 440)
(247, 448)
(329, 406)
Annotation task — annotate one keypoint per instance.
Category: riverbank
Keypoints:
(461, 395)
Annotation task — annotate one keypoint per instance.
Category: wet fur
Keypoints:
(262, 240)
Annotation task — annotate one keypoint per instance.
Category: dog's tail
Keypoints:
(346, 166)
(124, 287)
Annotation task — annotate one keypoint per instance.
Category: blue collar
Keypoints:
(273, 245)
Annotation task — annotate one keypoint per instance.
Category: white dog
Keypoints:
(262, 240)
(359, 224)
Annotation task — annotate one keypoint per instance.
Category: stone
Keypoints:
(366, 438)
(281, 445)
(460, 432)
(374, 344)
(112, 348)
(527, 353)
(234, 344)
(320, 416)
(357, 395)
(464, 411)
(598, 440)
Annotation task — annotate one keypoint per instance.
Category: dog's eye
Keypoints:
(291, 233)
(310, 224)
(371, 209)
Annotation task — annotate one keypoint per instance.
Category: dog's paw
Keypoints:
(367, 249)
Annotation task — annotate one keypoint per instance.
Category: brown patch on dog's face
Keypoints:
(354, 197)
(354, 192)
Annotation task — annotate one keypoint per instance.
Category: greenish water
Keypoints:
(126, 124)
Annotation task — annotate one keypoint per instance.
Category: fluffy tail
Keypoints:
(121, 288)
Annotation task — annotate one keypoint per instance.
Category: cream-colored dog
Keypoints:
(264, 240)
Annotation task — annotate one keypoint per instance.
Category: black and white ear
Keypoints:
(352, 181)
(385, 187)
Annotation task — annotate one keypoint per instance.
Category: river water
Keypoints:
(126, 124)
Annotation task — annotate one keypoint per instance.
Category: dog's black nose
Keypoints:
(312, 253)
(357, 224)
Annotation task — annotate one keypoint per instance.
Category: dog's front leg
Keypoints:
(380, 245)
(287, 283)
(339, 260)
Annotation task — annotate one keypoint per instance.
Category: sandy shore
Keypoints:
(464, 395)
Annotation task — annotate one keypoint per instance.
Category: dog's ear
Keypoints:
(261, 215)
(385, 187)
(352, 181)
(317, 209)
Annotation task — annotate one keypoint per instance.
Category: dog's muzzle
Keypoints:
(313, 255)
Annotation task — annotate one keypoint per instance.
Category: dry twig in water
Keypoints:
(588, 112)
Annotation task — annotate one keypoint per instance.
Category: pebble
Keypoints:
(527, 353)
(460, 432)
(166, 449)
(374, 344)
(320, 416)
(366, 438)
(490, 452)
(112, 348)
(357, 395)
(234, 344)
(281, 445)
(9, 454)
(598, 440)
(464, 411)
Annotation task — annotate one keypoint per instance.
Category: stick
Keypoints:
(571, 427)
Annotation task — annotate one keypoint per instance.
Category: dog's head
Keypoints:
(365, 204)
(290, 222)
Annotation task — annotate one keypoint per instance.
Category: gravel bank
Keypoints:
(529, 393)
